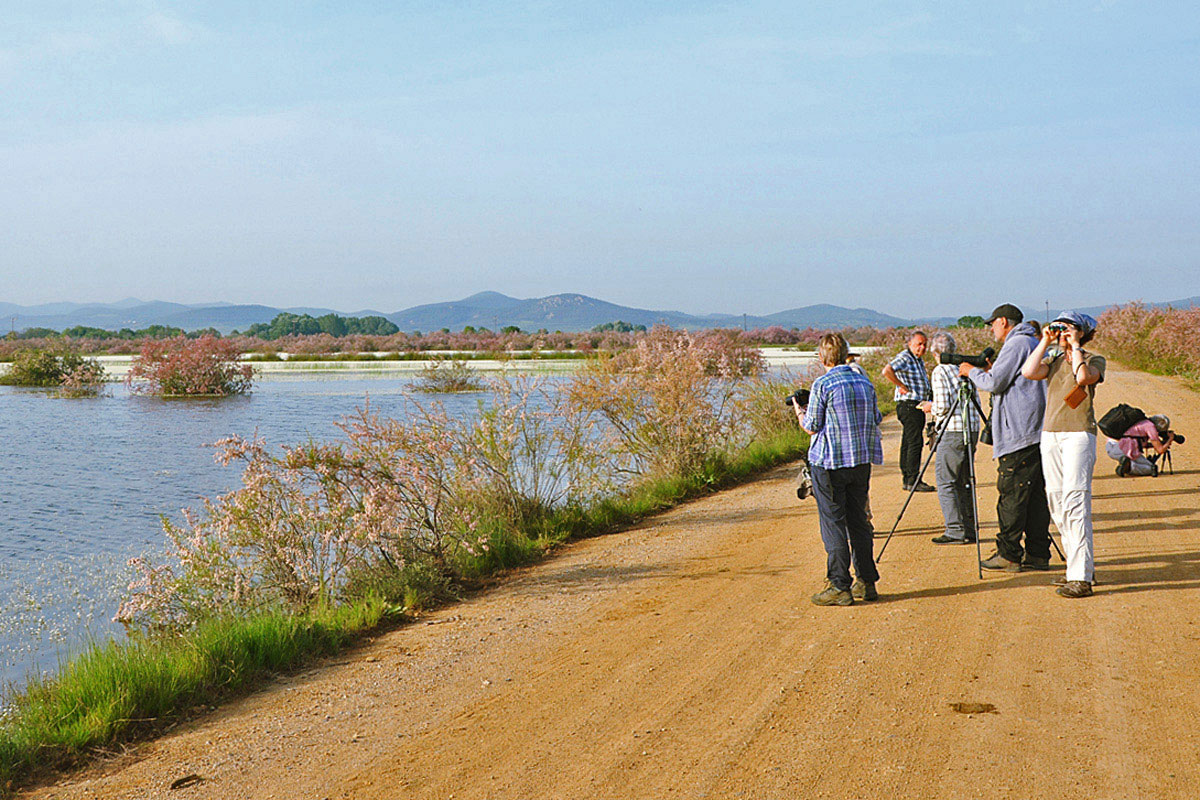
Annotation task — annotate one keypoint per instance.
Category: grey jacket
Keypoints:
(1020, 404)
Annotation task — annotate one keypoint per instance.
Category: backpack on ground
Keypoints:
(1119, 419)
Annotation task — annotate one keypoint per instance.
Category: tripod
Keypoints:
(962, 405)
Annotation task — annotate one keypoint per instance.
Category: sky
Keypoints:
(917, 158)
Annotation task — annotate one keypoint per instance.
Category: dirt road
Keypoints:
(684, 659)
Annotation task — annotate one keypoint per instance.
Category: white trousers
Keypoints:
(1067, 463)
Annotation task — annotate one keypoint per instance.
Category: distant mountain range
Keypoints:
(564, 312)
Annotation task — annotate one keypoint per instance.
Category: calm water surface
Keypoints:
(84, 482)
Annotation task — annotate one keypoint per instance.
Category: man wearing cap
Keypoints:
(1019, 407)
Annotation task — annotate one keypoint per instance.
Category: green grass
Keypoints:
(122, 691)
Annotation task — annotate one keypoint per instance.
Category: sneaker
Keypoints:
(833, 596)
(944, 539)
(922, 486)
(998, 562)
(861, 590)
(1033, 562)
(1075, 589)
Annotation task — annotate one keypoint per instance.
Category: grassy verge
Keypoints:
(122, 691)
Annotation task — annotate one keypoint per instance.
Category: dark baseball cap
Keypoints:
(1008, 311)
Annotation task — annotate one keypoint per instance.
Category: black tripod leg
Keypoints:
(932, 449)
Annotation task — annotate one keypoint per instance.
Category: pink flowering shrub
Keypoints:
(667, 401)
(85, 379)
(1159, 340)
(535, 450)
(182, 367)
(429, 495)
(305, 520)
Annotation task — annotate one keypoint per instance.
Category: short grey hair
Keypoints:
(942, 343)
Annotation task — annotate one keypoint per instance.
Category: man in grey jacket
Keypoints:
(1019, 406)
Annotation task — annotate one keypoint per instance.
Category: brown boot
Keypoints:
(1075, 589)
(833, 596)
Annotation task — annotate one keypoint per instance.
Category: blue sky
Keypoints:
(916, 158)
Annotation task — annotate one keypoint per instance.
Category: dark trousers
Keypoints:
(912, 419)
(1022, 505)
(841, 496)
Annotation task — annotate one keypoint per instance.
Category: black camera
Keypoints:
(1178, 437)
(983, 360)
(798, 397)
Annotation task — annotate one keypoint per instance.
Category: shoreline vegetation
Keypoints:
(327, 542)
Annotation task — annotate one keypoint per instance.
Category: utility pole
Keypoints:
(1046, 321)
(743, 323)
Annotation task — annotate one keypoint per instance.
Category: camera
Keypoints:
(983, 360)
(1178, 437)
(799, 397)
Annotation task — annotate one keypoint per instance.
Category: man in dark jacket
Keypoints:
(1017, 414)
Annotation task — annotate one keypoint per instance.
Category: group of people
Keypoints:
(1043, 434)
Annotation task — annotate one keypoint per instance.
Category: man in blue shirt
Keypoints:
(913, 395)
(843, 418)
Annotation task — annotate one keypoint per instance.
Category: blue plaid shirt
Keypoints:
(844, 418)
(911, 372)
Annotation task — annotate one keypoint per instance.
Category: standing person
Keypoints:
(954, 457)
(1069, 437)
(1019, 405)
(907, 373)
(843, 418)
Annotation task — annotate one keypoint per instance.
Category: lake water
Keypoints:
(84, 482)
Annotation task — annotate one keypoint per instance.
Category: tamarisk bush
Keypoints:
(66, 369)
(303, 520)
(182, 367)
(667, 400)
(1160, 340)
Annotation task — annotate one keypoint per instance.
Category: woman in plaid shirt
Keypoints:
(843, 418)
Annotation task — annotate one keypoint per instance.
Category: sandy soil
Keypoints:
(684, 659)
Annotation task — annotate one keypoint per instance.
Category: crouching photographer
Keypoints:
(1129, 449)
(843, 419)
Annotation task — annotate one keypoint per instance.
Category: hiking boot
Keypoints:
(1123, 467)
(922, 486)
(833, 596)
(861, 590)
(1063, 581)
(998, 562)
(1075, 589)
(1033, 562)
(944, 539)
